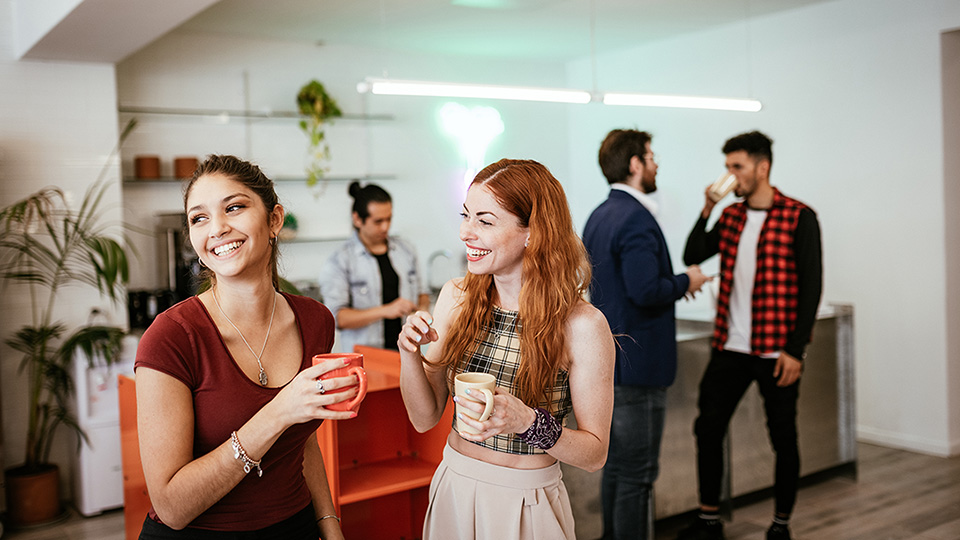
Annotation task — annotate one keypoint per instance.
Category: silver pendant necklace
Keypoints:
(263, 374)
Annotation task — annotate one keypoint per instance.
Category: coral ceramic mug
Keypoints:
(354, 366)
(477, 383)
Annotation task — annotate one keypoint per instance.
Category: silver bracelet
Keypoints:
(239, 453)
(328, 516)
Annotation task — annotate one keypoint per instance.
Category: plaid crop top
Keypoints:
(498, 352)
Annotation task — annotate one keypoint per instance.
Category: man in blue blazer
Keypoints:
(635, 288)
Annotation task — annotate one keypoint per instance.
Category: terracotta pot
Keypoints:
(146, 166)
(33, 495)
(183, 167)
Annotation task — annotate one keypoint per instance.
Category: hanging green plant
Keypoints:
(315, 103)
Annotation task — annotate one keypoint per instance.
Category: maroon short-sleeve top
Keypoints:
(184, 342)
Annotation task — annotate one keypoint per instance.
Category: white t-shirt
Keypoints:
(741, 292)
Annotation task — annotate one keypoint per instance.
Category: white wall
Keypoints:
(852, 98)
(57, 127)
(951, 140)
(201, 71)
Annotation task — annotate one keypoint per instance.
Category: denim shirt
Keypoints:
(351, 278)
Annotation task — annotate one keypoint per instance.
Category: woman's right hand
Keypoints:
(416, 332)
(301, 401)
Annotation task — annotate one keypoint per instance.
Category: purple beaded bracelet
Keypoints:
(545, 431)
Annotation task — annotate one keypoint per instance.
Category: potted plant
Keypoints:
(45, 245)
(318, 107)
(289, 230)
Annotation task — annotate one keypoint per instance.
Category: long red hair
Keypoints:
(556, 273)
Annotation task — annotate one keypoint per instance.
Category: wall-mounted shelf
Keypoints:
(314, 239)
(225, 115)
(339, 178)
(169, 180)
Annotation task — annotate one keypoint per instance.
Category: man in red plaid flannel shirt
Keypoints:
(770, 286)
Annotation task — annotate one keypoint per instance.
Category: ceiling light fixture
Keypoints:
(688, 102)
(392, 87)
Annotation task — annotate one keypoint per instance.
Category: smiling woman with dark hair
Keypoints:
(228, 402)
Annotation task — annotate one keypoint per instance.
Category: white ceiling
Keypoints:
(94, 30)
(529, 29)
(532, 29)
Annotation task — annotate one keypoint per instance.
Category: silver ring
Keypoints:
(320, 387)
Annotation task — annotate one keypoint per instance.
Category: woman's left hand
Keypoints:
(510, 415)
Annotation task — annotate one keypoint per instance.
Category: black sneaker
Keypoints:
(778, 532)
(702, 529)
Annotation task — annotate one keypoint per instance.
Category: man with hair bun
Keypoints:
(373, 280)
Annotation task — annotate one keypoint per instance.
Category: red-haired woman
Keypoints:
(519, 315)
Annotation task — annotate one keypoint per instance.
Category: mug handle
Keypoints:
(362, 392)
(488, 408)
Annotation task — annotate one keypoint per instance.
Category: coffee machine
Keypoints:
(179, 270)
(179, 265)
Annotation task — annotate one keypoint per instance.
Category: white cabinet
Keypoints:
(97, 471)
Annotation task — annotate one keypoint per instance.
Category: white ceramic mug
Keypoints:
(484, 383)
(724, 185)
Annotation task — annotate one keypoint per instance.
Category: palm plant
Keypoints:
(46, 245)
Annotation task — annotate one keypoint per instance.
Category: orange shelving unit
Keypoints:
(136, 502)
(378, 466)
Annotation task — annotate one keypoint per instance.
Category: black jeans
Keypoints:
(724, 382)
(300, 526)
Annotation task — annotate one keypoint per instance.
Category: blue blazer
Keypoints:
(635, 288)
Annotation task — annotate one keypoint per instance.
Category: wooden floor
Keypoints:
(897, 495)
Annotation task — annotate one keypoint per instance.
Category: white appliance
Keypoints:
(97, 470)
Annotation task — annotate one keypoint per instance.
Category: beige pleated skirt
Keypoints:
(475, 500)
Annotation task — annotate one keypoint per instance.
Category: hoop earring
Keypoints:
(273, 240)
(199, 260)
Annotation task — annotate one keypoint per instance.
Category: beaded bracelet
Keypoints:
(239, 453)
(545, 431)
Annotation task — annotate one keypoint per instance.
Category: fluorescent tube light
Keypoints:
(690, 102)
(393, 87)
(457, 90)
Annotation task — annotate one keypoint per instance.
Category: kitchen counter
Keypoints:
(825, 423)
